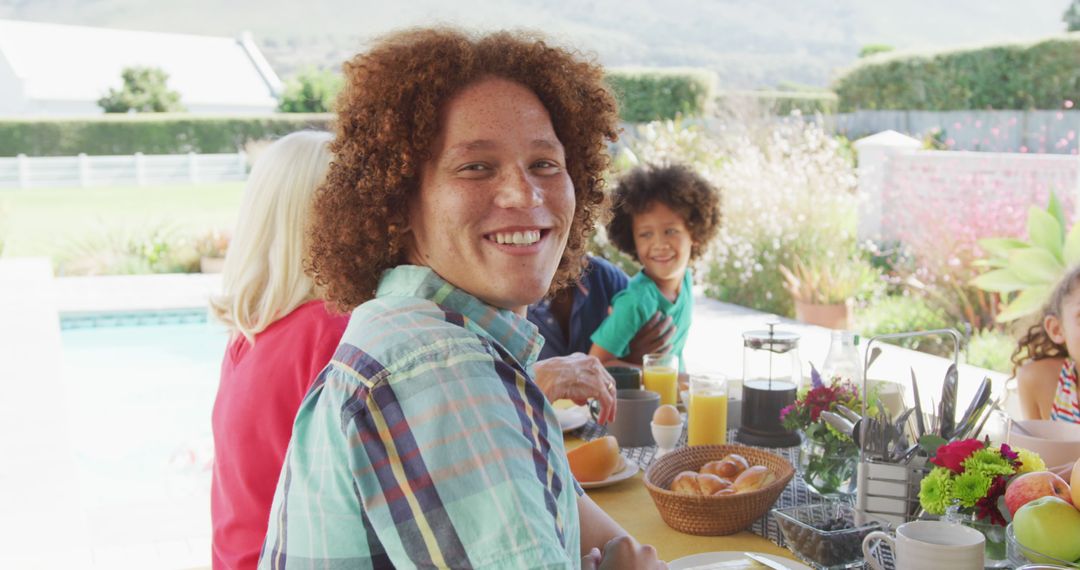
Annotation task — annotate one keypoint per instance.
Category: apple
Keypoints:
(1075, 482)
(1031, 486)
(1050, 526)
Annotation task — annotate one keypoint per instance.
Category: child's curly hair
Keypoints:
(1036, 344)
(676, 186)
(388, 118)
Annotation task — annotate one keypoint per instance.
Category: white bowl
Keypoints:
(1057, 442)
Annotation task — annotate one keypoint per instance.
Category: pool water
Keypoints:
(140, 391)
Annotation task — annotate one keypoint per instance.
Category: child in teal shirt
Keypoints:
(663, 217)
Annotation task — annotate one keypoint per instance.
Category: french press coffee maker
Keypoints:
(771, 374)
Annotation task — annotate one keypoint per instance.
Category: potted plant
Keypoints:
(211, 247)
(824, 292)
(1026, 271)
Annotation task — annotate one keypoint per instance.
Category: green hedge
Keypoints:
(784, 102)
(654, 94)
(147, 133)
(1008, 76)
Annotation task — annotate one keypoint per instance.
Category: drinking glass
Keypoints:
(708, 410)
(662, 376)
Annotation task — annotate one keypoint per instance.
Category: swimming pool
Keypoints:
(141, 388)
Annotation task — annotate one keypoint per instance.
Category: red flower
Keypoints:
(987, 507)
(951, 456)
(820, 400)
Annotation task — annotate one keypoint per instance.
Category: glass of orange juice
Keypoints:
(708, 410)
(662, 376)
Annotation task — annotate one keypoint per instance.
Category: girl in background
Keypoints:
(1046, 371)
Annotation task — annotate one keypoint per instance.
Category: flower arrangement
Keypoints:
(973, 475)
(828, 457)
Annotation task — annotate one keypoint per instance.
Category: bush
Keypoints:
(905, 313)
(654, 94)
(144, 91)
(1007, 76)
(148, 134)
(783, 102)
(130, 251)
(311, 91)
(991, 350)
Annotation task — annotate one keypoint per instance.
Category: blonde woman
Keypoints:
(282, 335)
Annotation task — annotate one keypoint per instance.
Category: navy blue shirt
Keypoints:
(599, 282)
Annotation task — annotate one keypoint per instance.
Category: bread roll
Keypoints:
(729, 467)
(686, 483)
(710, 484)
(753, 478)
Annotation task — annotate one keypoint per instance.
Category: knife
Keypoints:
(919, 421)
(766, 561)
(974, 411)
(947, 406)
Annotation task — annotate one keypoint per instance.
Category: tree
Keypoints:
(871, 49)
(1071, 17)
(144, 91)
(311, 91)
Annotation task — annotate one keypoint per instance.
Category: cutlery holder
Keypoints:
(886, 490)
(890, 491)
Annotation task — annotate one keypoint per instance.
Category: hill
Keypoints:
(750, 44)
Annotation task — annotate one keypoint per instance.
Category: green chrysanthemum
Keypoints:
(1029, 461)
(934, 491)
(969, 487)
(989, 463)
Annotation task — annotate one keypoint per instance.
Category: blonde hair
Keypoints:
(263, 279)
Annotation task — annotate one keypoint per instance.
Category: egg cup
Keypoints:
(666, 437)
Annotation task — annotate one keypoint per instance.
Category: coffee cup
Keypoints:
(634, 410)
(626, 377)
(930, 544)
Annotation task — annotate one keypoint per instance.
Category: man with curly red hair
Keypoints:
(468, 172)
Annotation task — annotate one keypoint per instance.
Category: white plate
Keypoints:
(688, 562)
(629, 470)
(572, 418)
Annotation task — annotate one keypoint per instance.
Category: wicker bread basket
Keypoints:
(713, 516)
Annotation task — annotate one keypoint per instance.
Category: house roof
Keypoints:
(60, 62)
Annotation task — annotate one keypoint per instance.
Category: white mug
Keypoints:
(930, 544)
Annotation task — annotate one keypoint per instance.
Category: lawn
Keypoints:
(47, 221)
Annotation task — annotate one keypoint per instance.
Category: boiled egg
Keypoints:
(666, 415)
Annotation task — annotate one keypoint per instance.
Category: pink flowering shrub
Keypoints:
(939, 204)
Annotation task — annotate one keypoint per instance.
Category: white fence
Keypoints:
(1042, 132)
(131, 170)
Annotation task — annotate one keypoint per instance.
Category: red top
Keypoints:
(261, 388)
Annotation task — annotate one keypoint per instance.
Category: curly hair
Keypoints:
(1036, 343)
(388, 119)
(676, 186)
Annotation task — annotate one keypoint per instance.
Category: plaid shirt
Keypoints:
(424, 443)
